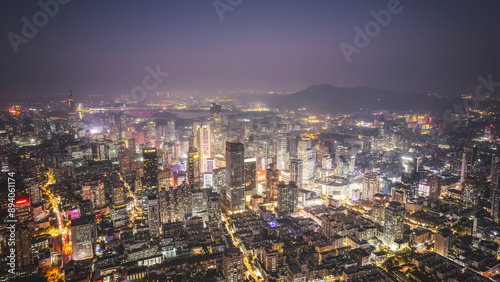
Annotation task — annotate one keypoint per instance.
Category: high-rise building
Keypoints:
(194, 168)
(287, 198)
(379, 204)
(217, 135)
(94, 191)
(435, 187)
(23, 248)
(82, 238)
(280, 147)
(150, 183)
(469, 159)
(296, 171)
(232, 262)
(153, 216)
(272, 180)
(213, 206)
(71, 104)
(470, 192)
(442, 241)
(305, 153)
(393, 224)
(235, 176)
(203, 144)
(250, 176)
(371, 186)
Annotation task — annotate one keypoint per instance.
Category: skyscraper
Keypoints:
(379, 202)
(203, 144)
(272, 180)
(194, 168)
(71, 104)
(235, 175)
(217, 135)
(296, 171)
(287, 198)
(153, 216)
(150, 183)
(250, 176)
(280, 147)
(393, 224)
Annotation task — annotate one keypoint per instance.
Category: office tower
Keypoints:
(470, 192)
(235, 164)
(203, 144)
(71, 104)
(82, 239)
(94, 191)
(235, 176)
(272, 180)
(194, 168)
(296, 171)
(250, 176)
(469, 159)
(280, 147)
(435, 187)
(371, 186)
(150, 182)
(23, 209)
(217, 135)
(305, 153)
(153, 216)
(232, 262)
(379, 203)
(393, 223)
(287, 198)
(442, 241)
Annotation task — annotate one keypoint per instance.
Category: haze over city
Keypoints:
(250, 140)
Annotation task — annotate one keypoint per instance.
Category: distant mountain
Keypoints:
(326, 98)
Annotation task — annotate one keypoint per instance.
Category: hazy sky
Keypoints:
(103, 47)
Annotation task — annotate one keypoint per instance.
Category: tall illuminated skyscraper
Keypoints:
(217, 135)
(280, 147)
(150, 182)
(194, 168)
(71, 104)
(235, 175)
(393, 223)
(203, 143)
